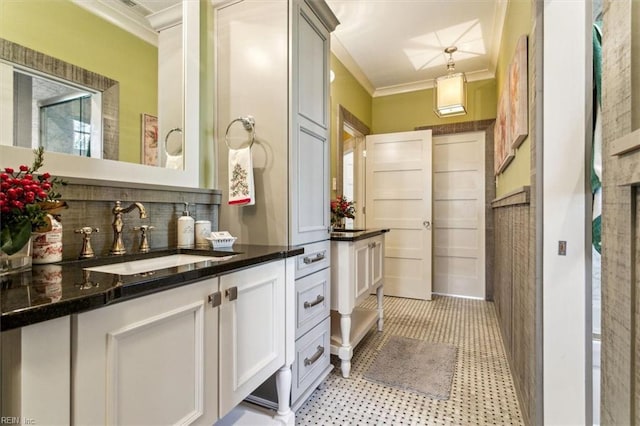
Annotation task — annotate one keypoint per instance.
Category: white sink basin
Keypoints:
(146, 265)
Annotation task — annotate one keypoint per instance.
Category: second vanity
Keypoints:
(357, 270)
(198, 337)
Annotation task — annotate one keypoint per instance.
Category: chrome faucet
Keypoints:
(118, 224)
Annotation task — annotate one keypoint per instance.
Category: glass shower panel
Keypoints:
(65, 126)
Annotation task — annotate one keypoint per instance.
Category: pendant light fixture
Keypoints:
(450, 91)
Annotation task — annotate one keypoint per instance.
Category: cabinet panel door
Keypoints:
(310, 197)
(309, 157)
(151, 360)
(313, 48)
(252, 330)
(362, 272)
(377, 260)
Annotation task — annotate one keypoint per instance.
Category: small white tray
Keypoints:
(221, 240)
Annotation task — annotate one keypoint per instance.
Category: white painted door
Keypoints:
(459, 215)
(398, 197)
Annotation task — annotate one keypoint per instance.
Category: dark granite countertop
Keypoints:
(355, 234)
(59, 289)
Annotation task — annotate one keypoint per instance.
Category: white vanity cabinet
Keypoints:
(357, 270)
(150, 360)
(183, 356)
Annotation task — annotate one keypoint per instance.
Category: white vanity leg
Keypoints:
(345, 351)
(283, 389)
(379, 294)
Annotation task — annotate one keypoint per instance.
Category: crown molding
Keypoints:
(427, 84)
(118, 15)
(350, 64)
(166, 18)
(500, 15)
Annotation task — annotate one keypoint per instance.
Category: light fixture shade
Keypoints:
(450, 95)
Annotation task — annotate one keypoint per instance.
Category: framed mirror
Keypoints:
(351, 163)
(80, 43)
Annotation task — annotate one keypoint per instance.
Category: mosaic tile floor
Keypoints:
(482, 391)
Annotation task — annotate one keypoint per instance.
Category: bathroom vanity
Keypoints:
(357, 270)
(181, 344)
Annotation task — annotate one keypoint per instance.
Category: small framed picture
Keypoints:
(149, 140)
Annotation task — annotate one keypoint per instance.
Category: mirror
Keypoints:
(63, 107)
(351, 163)
(82, 43)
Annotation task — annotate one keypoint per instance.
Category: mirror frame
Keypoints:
(110, 170)
(345, 117)
(30, 59)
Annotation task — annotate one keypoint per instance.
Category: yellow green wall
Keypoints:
(406, 111)
(348, 92)
(68, 32)
(517, 22)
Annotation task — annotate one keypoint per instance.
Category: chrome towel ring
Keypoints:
(249, 124)
(166, 138)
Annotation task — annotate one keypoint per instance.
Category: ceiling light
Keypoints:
(450, 91)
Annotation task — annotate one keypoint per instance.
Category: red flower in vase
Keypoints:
(25, 200)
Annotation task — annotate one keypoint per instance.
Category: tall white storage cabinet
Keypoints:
(272, 63)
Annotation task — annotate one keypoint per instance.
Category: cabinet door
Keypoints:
(252, 330)
(151, 360)
(362, 269)
(309, 160)
(377, 260)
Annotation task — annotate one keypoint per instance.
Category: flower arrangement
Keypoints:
(25, 201)
(341, 207)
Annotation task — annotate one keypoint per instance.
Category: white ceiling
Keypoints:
(390, 46)
(395, 46)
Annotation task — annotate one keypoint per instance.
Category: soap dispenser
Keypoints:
(186, 231)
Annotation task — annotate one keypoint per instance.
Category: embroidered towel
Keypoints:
(241, 189)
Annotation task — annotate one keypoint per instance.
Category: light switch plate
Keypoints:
(562, 248)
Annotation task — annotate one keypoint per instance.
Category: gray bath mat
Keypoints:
(415, 365)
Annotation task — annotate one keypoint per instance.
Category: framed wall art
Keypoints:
(503, 153)
(518, 95)
(149, 140)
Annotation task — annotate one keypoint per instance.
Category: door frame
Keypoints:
(346, 120)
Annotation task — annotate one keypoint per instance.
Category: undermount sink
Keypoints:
(147, 265)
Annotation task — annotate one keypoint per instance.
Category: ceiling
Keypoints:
(395, 46)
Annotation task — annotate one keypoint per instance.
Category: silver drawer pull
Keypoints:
(317, 258)
(315, 357)
(231, 293)
(318, 300)
(215, 299)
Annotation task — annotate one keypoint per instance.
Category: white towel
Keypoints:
(241, 189)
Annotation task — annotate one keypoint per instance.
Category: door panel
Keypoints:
(459, 214)
(398, 197)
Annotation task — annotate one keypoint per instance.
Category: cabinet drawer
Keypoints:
(312, 358)
(312, 300)
(316, 256)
